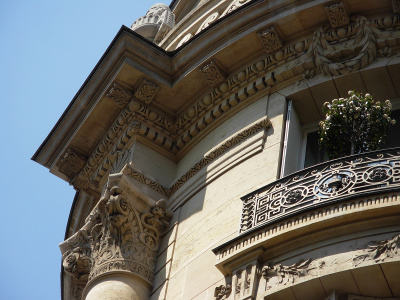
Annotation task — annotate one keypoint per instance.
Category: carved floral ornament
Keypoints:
(116, 237)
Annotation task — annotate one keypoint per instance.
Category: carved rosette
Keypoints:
(271, 40)
(116, 237)
(337, 15)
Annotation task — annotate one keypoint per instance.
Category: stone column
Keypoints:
(114, 253)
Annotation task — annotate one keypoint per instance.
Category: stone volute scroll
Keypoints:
(156, 24)
(120, 238)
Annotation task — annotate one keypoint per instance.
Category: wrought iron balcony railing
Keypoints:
(334, 181)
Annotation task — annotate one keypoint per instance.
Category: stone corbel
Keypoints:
(213, 73)
(121, 235)
(120, 95)
(271, 40)
(146, 91)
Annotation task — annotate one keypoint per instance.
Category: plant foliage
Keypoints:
(354, 125)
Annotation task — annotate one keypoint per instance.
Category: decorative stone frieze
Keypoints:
(213, 73)
(285, 274)
(120, 95)
(222, 292)
(146, 91)
(210, 19)
(271, 40)
(337, 15)
(334, 181)
(121, 234)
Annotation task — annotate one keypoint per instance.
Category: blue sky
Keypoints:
(47, 50)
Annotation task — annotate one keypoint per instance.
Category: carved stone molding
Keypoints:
(396, 6)
(213, 73)
(271, 40)
(120, 95)
(285, 274)
(337, 15)
(118, 236)
(146, 91)
(222, 292)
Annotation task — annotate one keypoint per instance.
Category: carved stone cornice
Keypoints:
(337, 15)
(322, 53)
(119, 235)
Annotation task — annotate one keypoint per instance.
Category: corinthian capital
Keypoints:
(122, 234)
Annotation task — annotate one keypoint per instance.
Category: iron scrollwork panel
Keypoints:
(333, 181)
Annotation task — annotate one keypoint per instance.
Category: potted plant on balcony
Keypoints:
(354, 125)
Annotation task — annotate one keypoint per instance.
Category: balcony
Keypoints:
(320, 185)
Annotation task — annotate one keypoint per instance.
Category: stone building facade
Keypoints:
(192, 150)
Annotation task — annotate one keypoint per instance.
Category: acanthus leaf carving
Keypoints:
(146, 91)
(116, 236)
(271, 40)
(337, 15)
(120, 95)
(213, 73)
